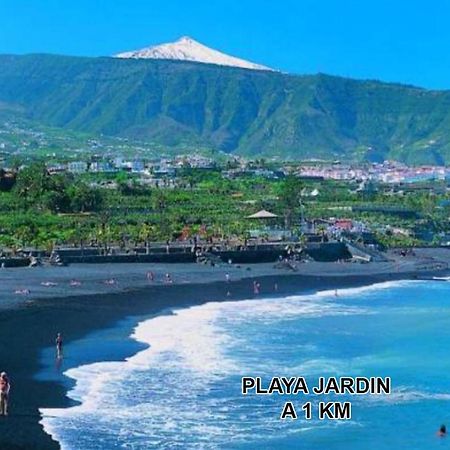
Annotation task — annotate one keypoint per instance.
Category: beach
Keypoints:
(29, 323)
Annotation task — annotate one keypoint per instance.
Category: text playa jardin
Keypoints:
(324, 385)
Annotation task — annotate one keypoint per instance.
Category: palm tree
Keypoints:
(145, 233)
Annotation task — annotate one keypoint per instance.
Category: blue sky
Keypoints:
(396, 40)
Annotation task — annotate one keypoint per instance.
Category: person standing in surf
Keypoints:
(59, 346)
(5, 387)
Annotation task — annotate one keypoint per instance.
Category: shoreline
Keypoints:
(31, 327)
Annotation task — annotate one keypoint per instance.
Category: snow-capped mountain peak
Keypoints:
(187, 49)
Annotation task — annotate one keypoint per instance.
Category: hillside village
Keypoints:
(111, 184)
(126, 203)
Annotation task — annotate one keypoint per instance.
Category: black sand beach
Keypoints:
(29, 323)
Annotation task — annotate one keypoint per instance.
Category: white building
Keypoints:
(77, 167)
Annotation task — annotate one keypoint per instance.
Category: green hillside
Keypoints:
(236, 110)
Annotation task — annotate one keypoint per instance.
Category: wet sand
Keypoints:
(29, 323)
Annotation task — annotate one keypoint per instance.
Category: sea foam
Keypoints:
(164, 396)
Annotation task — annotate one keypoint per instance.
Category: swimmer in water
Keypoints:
(442, 431)
(49, 284)
(74, 283)
(168, 278)
(150, 276)
(22, 291)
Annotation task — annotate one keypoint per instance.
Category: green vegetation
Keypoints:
(36, 189)
(188, 105)
(42, 210)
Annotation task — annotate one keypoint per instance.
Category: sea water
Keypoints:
(184, 390)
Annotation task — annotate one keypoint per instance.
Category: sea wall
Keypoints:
(328, 251)
(150, 258)
(14, 262)
(321, 251)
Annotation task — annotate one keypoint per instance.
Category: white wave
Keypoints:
(163, 389)
(189, 336)
(186, 344)
(356, 291)
(405, 394)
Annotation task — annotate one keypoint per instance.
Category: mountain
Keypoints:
(248, 112)
(187, 49)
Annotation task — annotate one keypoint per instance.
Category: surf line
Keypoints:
(324, 385)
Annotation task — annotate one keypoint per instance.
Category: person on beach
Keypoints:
(59, 346)
(256, 287)
(442, 431)
(227, 277)
(5, 387)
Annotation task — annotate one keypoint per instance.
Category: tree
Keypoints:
(84, 198)
(33, 181)
(289, 196)
(55, 200)
(124, 186)
(104, 234)
(145, 233)
(35, 186)
(159, 200)
(25, 233)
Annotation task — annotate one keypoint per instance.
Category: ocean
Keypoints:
(182, 390)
